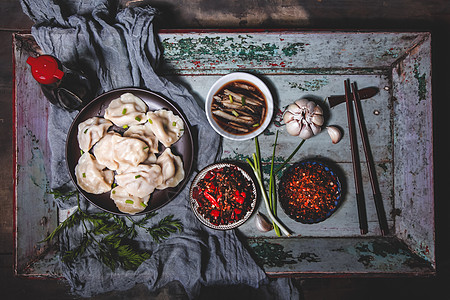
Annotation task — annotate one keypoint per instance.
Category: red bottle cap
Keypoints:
(45, 69)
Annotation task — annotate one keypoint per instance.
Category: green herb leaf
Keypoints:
(129, 201)
(109, 237)
(164, 228)
(138, 119)
(124, 111)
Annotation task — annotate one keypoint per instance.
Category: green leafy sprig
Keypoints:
(110, 237)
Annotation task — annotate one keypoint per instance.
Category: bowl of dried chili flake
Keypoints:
(223, 196)
(309, 191)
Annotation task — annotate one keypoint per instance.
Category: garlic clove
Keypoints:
(302, 102)
(306, 132)
(294, 109)
(288, 117)
(315, 128)
(311, 105)
(317, 119)
(262, 224)
(318, 110)
(334, 133)
(293, 128)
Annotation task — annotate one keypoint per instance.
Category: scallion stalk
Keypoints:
(272, 188)
(256, 167)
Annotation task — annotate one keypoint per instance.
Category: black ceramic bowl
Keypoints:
(183, 147)
(309, 191)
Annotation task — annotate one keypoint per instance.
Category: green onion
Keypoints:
(231, 98)
(125, 126)
(137, 176)
(113, 192)
(84, 175)
(150, 121)
(243, 100)
(143, 204)
(255, 125)
(256, 167)
(138, 119)
(146, 147)
(235, 113)
(124, 111)
(114, 185)
(129, 201)
(82, 152)
(174, 123)
(86, 131)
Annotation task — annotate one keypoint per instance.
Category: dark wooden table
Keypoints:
(311, 14)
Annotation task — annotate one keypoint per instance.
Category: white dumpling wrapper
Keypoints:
(167, 127)
(140, 180)
(92, 177)
(120, 196)
(91, 131)
(172, 169)
(129, 151)
(103, 151)
(144, 133)
(126, 111)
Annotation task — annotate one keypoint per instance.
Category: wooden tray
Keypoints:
(293, 64)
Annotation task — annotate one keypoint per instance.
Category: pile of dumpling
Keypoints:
(127, 165)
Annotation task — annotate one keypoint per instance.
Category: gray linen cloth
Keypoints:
(118, 48)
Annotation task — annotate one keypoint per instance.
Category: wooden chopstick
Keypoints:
(362, 215)
(381, 214)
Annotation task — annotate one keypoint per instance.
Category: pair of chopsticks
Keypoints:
(352, 96)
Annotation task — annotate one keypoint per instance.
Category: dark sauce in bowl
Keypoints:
(239, 107)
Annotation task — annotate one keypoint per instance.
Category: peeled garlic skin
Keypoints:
(334, 133)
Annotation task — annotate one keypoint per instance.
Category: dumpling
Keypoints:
(103, 151)
(126, 111)
(91, 176)
(141, 180)
(144, 133)
(127, 203)
(167, 127)
(91, 131)
(129, 151)
(172, 169)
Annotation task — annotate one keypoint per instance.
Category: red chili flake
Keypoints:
(309, 192)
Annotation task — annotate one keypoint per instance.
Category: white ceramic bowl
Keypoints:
(233, 77)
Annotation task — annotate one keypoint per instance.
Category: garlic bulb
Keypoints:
(334, 133)
(262, 223)
(303, 118)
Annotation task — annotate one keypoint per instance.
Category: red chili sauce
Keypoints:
(224, 195)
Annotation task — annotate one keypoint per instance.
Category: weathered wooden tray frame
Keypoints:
(294, 64)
